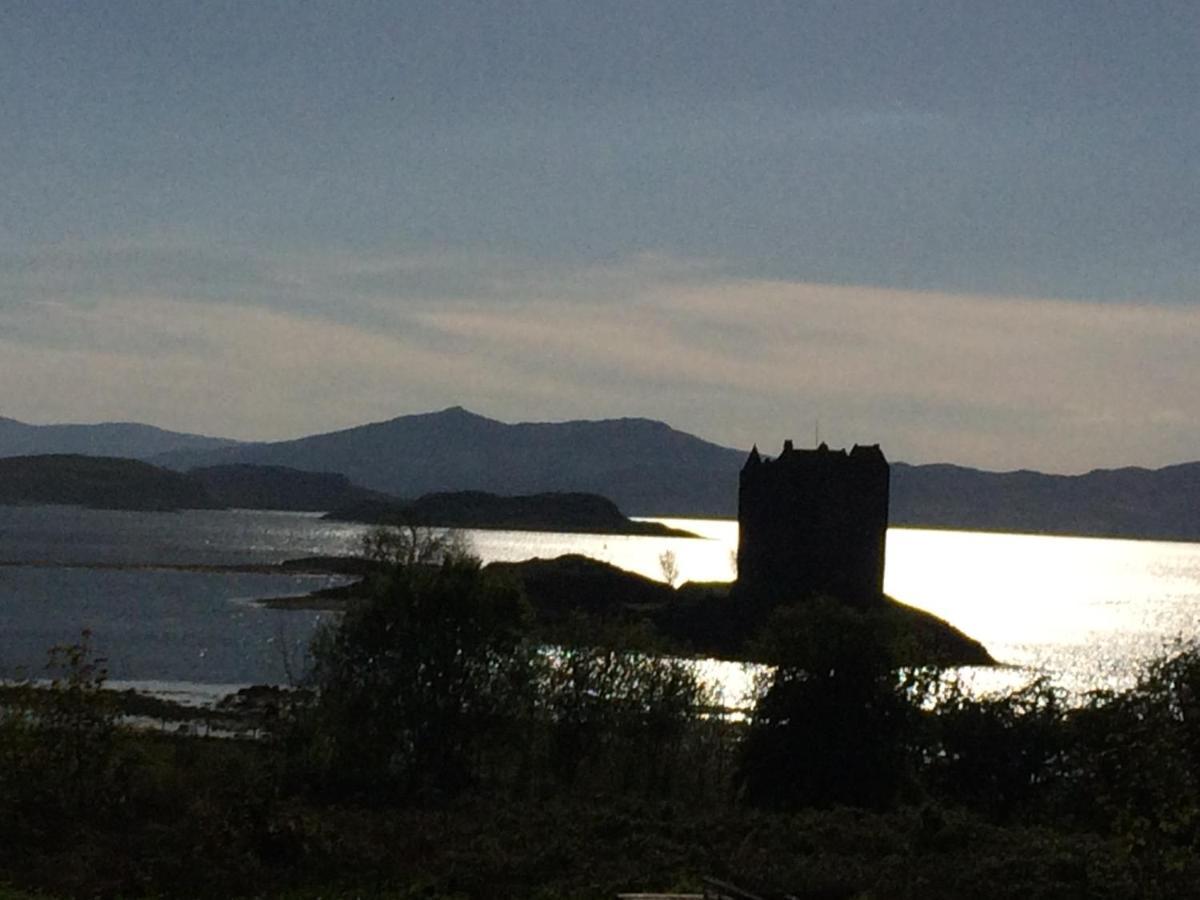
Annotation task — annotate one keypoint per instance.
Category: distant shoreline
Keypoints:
(200, 568)
(554, 512)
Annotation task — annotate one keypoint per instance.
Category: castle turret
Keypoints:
(813, 522)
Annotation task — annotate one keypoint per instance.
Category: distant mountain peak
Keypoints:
(449, 414)
(459, 412)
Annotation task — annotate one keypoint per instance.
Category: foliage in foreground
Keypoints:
(835, 723)
(432, 686)
(447, 756)
(412, 680)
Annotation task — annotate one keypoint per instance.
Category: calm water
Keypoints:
(155, 625)
(1088, 612)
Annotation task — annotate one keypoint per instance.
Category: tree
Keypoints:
(1000, 753)
(62, 760)
(669, 566)
(405, 544)
(612, 706)
(411, 681)
(834, 722)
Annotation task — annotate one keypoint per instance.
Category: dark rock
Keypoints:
(559, 588)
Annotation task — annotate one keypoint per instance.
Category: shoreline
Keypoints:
(942, 642)
(200, 568)
(611, 593)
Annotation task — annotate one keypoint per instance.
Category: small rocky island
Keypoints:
(573, 593)
(570, 512)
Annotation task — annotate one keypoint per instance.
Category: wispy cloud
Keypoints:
(308, 342)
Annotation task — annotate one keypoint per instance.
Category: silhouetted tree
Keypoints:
(999, 753)
(835, 722)
(405, 544)
(669, 566)
(411, 681)
(1133, 759)
(610, 705)
(62, 762)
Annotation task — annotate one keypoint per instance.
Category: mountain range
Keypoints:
(647, 468)
(117, 439)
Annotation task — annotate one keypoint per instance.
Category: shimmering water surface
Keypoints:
(1087, 612)
(173, 626)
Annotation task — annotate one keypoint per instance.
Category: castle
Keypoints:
(813, 522)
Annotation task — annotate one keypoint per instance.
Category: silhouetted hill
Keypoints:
(569, 512)
(113, 439)
(572, 584)
(645, 467)
(1143, 503)
(99, 482)
(278, 487)
(649, 468)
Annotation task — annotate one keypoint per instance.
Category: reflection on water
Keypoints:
(69, 534)
(1088, 612)
(710, 558)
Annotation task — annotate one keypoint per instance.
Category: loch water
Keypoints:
(1089, 613)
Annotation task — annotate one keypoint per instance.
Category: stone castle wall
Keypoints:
(813, 521)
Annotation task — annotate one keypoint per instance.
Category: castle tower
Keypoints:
(813, 521)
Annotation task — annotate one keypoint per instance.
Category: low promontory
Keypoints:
(100, 482)
(575, 595)
(576, 513)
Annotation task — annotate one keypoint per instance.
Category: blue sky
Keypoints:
(968, 231)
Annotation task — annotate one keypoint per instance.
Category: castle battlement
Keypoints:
(813, 522)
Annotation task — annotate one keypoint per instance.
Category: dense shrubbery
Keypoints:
(442, 752)
(836, 722)
(62, 757)
(839, 723)
(413, 682)
(431, 686)
(617, 718)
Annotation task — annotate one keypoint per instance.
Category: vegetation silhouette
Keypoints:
(836, 721)
(433, 684)
(442, 751)
(410, 681)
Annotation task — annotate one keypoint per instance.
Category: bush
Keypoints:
(413, 681)
(835, 723)
(62, 761)
(623, 714)
(1135, 760)
(408, 545)
(1000, 755)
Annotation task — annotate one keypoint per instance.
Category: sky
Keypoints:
(966, 231)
